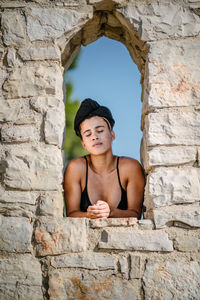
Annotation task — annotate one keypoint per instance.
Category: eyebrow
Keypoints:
(95, 128)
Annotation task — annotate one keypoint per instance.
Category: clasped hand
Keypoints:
(100, 209)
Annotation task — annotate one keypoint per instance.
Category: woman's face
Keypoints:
(96, 136)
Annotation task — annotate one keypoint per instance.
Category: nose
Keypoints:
(94, 136)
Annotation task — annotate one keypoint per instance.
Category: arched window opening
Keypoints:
(105, 72)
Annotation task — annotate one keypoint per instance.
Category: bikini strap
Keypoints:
(118, 173)
(86, 178)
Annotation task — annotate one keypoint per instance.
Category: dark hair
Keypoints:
(88, 109)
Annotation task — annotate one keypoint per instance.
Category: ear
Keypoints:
(112, 135)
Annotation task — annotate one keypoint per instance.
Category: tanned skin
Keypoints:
(103, 185)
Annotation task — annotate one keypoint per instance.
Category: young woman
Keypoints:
(100, 184)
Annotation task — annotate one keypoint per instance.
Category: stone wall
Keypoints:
(46, 256)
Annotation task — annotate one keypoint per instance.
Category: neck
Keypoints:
(102, 164)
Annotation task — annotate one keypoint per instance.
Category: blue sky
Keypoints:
(107, 74)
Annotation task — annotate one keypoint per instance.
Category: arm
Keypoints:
(133, 172)
(72, 189)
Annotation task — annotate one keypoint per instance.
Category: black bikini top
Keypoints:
(85, 201)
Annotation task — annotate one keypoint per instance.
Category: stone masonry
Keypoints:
(46, 256)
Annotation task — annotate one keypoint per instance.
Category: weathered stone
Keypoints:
(189, 215)
(51, 204)
(124, 269)
(186, 243)
(43, 103)
(54, 123)
(172, 123)
(17, 210)
(161, 20)
(13, 25)
(50, 52)
(172, 76)
(3, 76)
(59, 236)
(21, 278)
(64, 285)
(34, 168)
(7, 196)
(34, 81)
(171, 280)
(51, 23)
(136, 267)
(19, 133)
(135, 240)
(88, 260)
(169, 156)
(99, 223)
(16, 234)
(145, 224)
(168, 186)
(9, 111)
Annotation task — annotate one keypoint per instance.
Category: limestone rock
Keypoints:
(136, 240)
(58, 236)
(168, 186)
(34, 168)
(54, 123)
(19, 133)
(162, 20)
(9, 110)
(7, 196)
(50, 52)
(184, 214)
(113, 222)
(88, 260)
(51, 204)
(43, 103)
(34, 81)
(3, 76)
(136, 267)
(124, 268)
(171, 280)
(186, 243)
(169, 156)
(13, 25)
(171, 124)
(172, 76)
(16, 234)
(64, 285)
(21, 278)
(51, 23)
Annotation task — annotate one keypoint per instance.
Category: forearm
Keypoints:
(119, 213)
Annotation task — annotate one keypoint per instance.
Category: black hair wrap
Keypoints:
(90, 108)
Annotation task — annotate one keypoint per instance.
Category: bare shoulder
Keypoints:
(76, 166)
(128, 163)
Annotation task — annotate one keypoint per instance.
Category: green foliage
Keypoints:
(72, 145)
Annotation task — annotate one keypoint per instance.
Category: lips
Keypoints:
(97, 144)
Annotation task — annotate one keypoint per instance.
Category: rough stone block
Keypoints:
(161, 20)
(50, 52)
(52, 23)
(19, 133)
(21, 278)
(88, 260)
(3, 76)
(13, 25)
(54, 123)
(67, 285)
(34, 169)
(34, 81)
(169, 156)
(136, 267)
(112, 222)
(145, 224)
(136, 240)
(163, 127)
(16, 234)
(7, 196)
(168, 186)
(9, 111)
(189, 215)
(43, 103)
(59, 236)
(171, 280)
(51, 204)
(185, 243)
(172, 74)
(124, 268)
